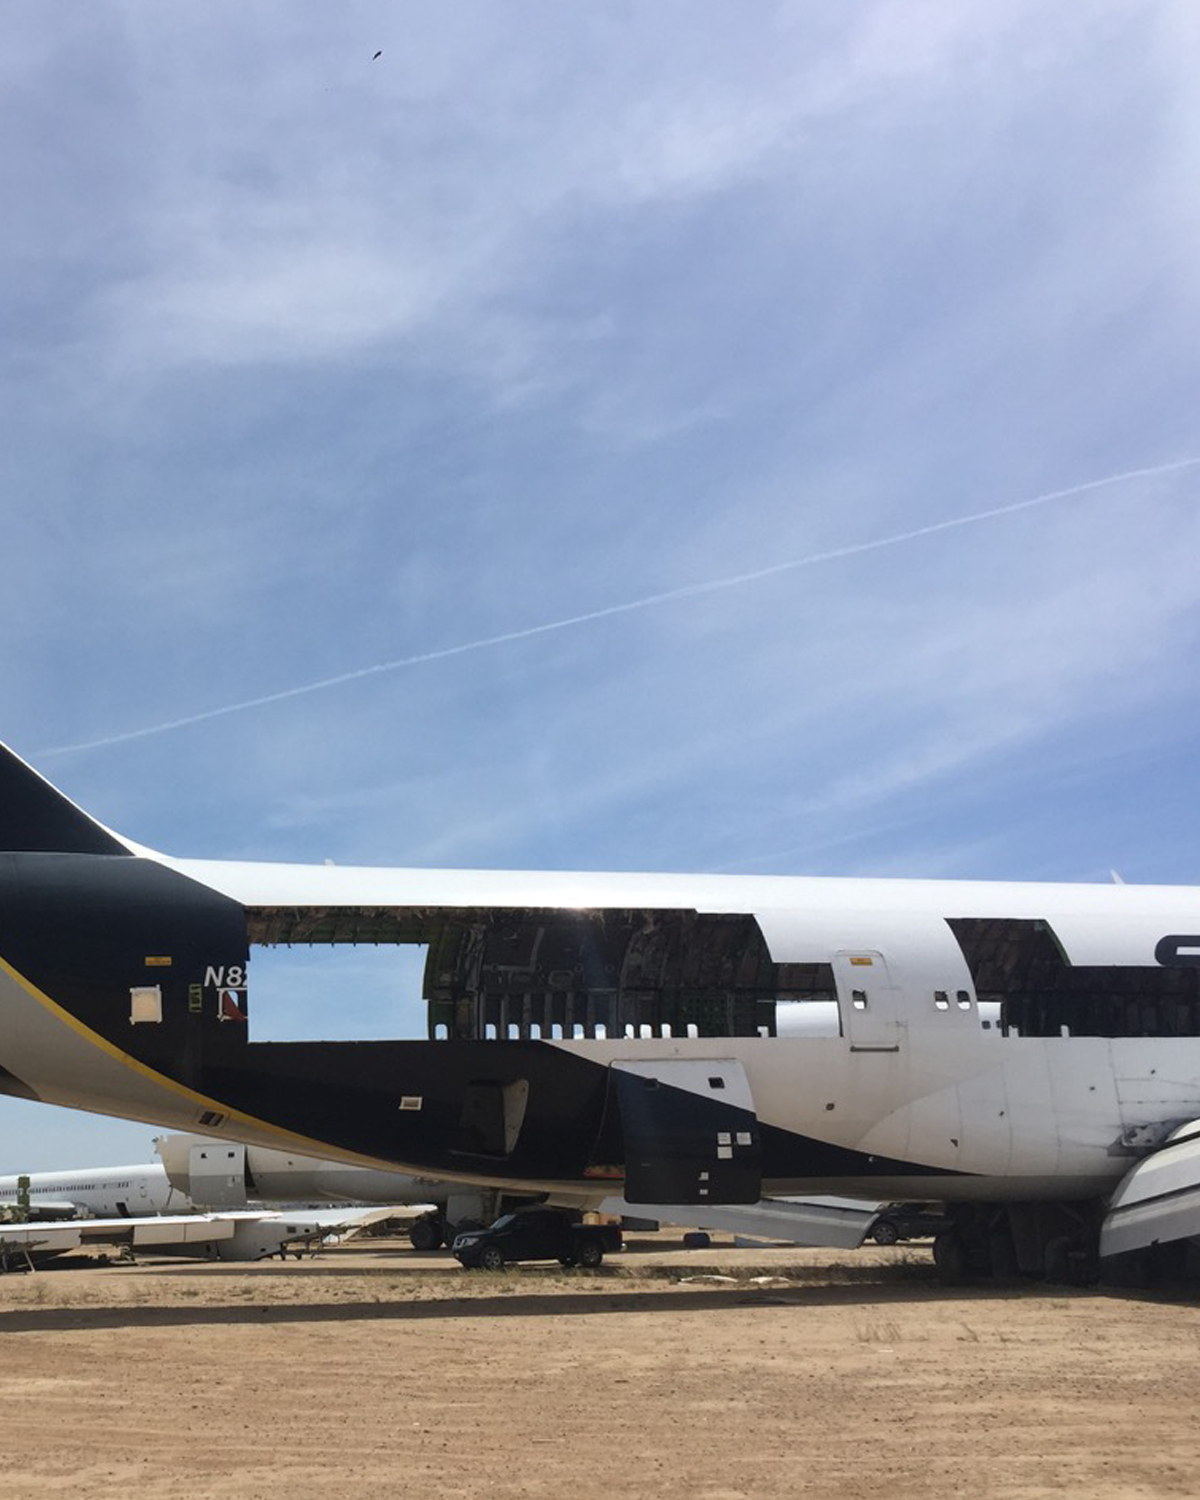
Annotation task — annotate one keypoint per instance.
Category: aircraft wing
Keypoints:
(72, 1234)
(338, 1219)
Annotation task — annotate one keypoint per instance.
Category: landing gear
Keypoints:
(426, 1233)
(1002, 1255)
(1006, 1242)
(1056, 1260)
(951, 1258)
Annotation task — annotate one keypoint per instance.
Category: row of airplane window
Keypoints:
(58, 1188)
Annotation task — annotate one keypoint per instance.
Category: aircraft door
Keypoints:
(868, 1001)
(690, 1130)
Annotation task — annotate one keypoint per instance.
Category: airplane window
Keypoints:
(964, 999)
(858, 998)
(941, 1000)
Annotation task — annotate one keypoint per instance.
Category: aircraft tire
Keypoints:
(425, 1235)
(1061, 1266)
(950, 1257)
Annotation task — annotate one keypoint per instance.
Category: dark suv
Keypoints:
(907, 1221)
(535, 1234)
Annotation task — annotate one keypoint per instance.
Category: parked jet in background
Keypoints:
(131, 1192)
(595, 1035)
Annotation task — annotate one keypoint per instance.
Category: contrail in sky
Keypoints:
(649, 601)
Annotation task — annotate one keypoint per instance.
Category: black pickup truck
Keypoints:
(535, 1234)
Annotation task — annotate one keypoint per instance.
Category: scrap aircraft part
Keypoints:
(1158, 1201)
(836, 1225)
(229, 1174)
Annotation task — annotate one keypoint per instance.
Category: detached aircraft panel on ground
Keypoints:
(1009, 1049)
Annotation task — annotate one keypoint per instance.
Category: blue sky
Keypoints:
(315, 361)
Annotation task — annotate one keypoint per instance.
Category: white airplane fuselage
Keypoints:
(100, 1192)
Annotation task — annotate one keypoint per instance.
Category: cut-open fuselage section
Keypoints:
(521, 975)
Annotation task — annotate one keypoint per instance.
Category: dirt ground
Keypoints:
(375, 1371)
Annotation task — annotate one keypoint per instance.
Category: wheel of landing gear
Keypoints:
(425, 1235)
(1002, 1256)
(1056, 1260)
(950, 1257)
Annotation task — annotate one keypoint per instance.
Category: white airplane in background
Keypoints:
(602, 1035)
(99, 1192)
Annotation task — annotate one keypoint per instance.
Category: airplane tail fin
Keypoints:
(35, 817)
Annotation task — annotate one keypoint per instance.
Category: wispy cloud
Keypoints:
(668, 596)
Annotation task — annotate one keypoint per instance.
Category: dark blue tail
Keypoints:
(35, 818)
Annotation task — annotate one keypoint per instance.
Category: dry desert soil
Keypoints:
(715, 1374)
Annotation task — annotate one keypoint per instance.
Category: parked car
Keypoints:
(906, 1221)
(535, 1234)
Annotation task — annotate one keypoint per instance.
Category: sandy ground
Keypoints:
(375, 1371)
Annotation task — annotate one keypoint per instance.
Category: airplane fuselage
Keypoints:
(998, 1042)
(134, 1191)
